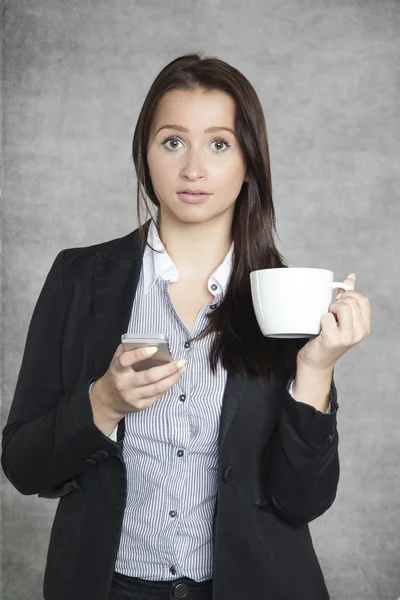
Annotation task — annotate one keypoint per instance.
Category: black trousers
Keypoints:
(133, 588)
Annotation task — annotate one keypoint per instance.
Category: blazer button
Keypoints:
(89, 462)
(329, 438)
(102, 454)
(227, 476)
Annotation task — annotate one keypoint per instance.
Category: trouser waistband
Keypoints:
(178, 588)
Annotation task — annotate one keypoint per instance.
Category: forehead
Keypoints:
(195, 110)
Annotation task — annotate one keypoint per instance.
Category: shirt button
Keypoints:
(172, 513)
(214, 287)
(180, 453)
(187, 344)
(182, 397)
(172, 570)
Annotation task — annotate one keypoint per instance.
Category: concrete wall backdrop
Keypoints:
(74, 77)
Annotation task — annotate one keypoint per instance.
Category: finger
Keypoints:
(158, 388)
(344, 314)
(350, 322)
(129, 357)
(154, 374)
(350, 282)
(364, 307)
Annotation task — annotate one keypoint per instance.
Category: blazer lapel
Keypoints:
(116, 276)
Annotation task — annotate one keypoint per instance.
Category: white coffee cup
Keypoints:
(290, 301)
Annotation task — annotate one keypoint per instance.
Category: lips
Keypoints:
(193, 191)
(191, 198)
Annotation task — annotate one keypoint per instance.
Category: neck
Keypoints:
(197, 249)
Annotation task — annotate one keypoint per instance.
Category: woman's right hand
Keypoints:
(123, 390)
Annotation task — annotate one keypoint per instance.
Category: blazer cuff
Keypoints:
(81, 439)
(113, 434)
(312, 425)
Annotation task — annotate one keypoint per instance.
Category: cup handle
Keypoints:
(340, 284)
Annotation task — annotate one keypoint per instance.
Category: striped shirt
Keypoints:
(171, 449)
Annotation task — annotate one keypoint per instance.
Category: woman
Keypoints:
(199, 483)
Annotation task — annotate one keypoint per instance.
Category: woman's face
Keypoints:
(211, 161)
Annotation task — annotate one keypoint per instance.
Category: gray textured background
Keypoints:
(74, 77)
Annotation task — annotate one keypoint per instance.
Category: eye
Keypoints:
(222, 141)
(174, 138)
(165, 141)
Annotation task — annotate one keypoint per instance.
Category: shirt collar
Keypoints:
(160, 265)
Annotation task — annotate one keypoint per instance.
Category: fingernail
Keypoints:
(338, 296)
(180, 363)
(151, 350)
(351, 276)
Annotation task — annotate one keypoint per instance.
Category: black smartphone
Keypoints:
(132, 341)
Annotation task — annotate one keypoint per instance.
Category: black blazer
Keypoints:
(278, 458)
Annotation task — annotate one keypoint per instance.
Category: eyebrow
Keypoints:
(185, 130)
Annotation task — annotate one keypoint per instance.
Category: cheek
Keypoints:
(160, 166)
(231, 175)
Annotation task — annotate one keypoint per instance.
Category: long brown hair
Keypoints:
(239, 342)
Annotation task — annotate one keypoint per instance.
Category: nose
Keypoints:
(194, 164)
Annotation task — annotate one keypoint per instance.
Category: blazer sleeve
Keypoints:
(290, 390)
(303, 473)
(50, 437)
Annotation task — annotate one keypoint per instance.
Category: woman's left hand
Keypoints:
(353, 313)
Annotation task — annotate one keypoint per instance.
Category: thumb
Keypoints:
(119, 351)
